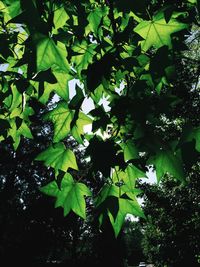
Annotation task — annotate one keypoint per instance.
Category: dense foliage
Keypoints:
(124, 52)
(172, 234)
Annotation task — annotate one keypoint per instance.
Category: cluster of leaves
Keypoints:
(123, 52)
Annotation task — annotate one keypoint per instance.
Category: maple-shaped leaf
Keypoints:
(60, 17)
(70, 196)
(49, 54)
(78, 128)
(84, 54)
(130, 150)
(166, 161)
(95, 17)
(110, 200)
(58, 157)
(61, 87)
(106, 191)
(14, 100)
(16, 133)
(157, 32)
(62, 117)
(126, 206)
(128, 178)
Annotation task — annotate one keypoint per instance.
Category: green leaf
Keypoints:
(70, 196)
(106, 191)
(192, 1)
(137, 6)
(58, 157)
(132, 173)
(127, 178)
(166, 161)
(2, 6)
(60, 17)
(14, 100)
(94, 18)
(49, 54)
(157, 32)
(16, 133)
(14, 8)
(78, 128)
(84, 54)
(61, 117)
(125, 207)
(61, 87)
(130, 150)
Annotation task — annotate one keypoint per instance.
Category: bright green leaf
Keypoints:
(95, 17)
(84, 55)
(132, 173)
(14, 100)
(70, 196)
(125, 207)
(16, 133)
(60, 17)
(192, 1)
(61, 117)
(78, 128)
(61, 87)
(58, 157)
(106, 191)
(48, 53)
(157, 32)
(127, 178)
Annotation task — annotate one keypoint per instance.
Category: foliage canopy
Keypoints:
(122, 52)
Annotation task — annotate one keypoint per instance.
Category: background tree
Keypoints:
(133, 236)
(171, 236)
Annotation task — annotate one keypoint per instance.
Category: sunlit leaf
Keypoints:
(84, 55)
(61, 117)
(48, 53)
(157, 32)
(70, 196)
(60, 17)
(106, 191)
(16, 133)
(125, 207)
(95, 17)
(78, 128)
(58, 157)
